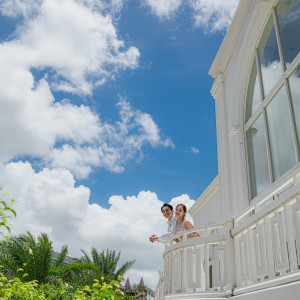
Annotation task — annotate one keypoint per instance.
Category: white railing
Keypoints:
(196, 265)
(261, 250)
(267, 244)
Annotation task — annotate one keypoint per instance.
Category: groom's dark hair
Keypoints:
(166, 205)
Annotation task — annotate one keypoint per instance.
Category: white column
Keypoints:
(218, 92)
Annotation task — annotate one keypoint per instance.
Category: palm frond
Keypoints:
(61, 257)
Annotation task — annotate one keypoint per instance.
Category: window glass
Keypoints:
(257, 157)
(288, 12)
(294, 83)
(280, 134)
(269, 57)
(253, 95)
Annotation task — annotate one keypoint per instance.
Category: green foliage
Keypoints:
(76, 274)
(105, 264)
(58, 291)
(34, 255)
(109, 291)
(5, 216)
(17, 290)
(140, 289)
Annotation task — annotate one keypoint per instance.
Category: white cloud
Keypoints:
(51, 202)
(210, 15)
(79, 46)
(115, 145)
(195, 150)
(27, 8)
(183, 199)
(213, 15)
(75, 48)
(87, 142)
(163, 8)
(16, 8)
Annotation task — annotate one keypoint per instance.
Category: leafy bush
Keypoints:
(5, 212)
(18, 290)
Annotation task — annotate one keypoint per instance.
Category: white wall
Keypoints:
(210, 213)
(207, 209)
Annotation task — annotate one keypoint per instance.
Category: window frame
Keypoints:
(282, 82)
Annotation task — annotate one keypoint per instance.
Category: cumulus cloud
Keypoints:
(183, 199)
(163, 8)
(115, 144)
(51, 202)
(210, 15)
(213, 15)
(75, 48)
(86, 141)
(27, 8)
(79, 46)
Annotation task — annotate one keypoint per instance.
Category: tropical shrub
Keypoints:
(18, 290)
(5, 216)
(104, 264)
(33, 255)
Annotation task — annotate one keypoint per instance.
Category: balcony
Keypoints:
(257, 251)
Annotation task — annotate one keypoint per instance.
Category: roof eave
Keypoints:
(222, 59)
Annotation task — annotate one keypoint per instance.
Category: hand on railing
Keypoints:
(195, 233)
(184, 235)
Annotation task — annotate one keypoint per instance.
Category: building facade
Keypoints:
(249, 216)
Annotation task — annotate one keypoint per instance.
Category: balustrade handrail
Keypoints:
(292, 179)
(281, 200)
(204, 238)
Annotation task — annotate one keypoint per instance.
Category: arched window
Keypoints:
(272, 115)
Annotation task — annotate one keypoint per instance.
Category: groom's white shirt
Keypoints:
(171, 230)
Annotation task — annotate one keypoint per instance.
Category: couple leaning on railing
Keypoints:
(176, 224)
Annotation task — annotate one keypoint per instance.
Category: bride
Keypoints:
(183, 224)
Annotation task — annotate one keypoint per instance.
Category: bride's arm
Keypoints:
(188, 225)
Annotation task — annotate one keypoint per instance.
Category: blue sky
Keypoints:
(172, 85)
(106, 113)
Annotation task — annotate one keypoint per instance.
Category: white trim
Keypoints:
(218, 83)
(200, 295)
(268, 284)
(292, 193)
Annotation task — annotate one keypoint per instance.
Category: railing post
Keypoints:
(230, 257)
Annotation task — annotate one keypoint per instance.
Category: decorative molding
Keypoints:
(217, 85)
(234, 131)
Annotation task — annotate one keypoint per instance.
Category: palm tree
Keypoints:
(106, 263)
(78, 273)
(32, 255)
(140, 289)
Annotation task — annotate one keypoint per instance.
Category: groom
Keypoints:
(168, 213)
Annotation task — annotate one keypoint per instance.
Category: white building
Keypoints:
(249, 216)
